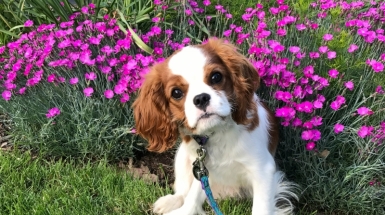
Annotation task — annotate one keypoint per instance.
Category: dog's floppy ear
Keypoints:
(152, 114)
(245, 80)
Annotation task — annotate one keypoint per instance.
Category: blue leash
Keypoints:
(202, 174)
(206, 187)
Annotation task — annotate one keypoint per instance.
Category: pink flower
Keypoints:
(317, 104)
(155, 19)
(313, 25)
(307, 135)
(285, 112)
(61, 80)
(156, 30)
(276, 46)
(294, 49)
(227, 33)
(310, 146)
(283, 96)
(328, 37)
(331, 54)
(94, 40)
(308, 71)
(52, 112)
(88, 91)
(316, 135)
(6, 95)
(108, 94)
(313, 55)
(133, 131)
(300, 27)
(157, 2)
(363, 111)
(90, 76)
(186, 40)
(119, 89)
(28, 23)
(305, 106)
(349, 85)
(51, 78)
(333, 73)
(296, 122)
(338, 128)
(380, 90)
(323, 49)
(281, 32)
(340, 100)
(378, 66)
(157, 50)
(365, 131)
(206, 2)
(74, 80)
(219, 7)
(274, 10)
(188, 12)
(307, 125)
(352, 48)
(125, 98)
(22, 90)
(316, 121)
(84, 10)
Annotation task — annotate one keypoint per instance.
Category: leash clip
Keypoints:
(199, 169)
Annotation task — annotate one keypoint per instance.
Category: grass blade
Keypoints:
(139, 42)
(9, 33)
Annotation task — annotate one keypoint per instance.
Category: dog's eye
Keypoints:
(177, 93)
(216, 77)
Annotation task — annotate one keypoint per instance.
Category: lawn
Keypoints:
(32, 185)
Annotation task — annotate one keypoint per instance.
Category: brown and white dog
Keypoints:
(209, 89)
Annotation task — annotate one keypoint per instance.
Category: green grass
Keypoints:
(37, 186)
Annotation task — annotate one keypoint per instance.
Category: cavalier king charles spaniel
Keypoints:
(209, 89)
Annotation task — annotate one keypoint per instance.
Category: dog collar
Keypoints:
(201, 139)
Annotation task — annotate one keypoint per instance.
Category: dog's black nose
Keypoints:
(201, 101)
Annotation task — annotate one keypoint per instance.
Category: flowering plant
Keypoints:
(67, 74)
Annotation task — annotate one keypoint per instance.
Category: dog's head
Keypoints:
(196, 90)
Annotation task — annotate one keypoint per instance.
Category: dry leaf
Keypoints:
(324, 154)
(4, 144)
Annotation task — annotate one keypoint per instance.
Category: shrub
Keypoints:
(71, 86)
(322, 75)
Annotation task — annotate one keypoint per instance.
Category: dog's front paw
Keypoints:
(187, 211)
(168, 203)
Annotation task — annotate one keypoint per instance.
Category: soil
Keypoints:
(5, 143)
(159, 164)
(151, 167)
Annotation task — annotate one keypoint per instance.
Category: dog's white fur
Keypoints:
(238, 159)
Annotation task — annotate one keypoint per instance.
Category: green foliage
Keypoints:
(86, 128)
(38, 186)
(301, 7)
(16, 12)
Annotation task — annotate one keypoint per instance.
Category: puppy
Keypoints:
(209, 90)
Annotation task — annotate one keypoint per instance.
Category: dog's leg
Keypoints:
(182, 184)
(193, 201)
(264, 190)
